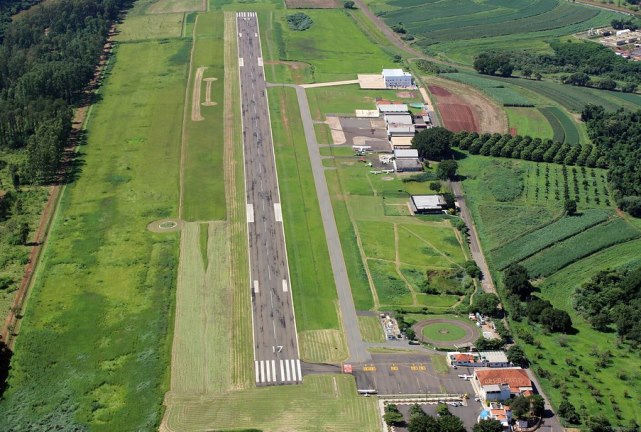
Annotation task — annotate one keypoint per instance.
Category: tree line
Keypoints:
(528, 148)
(616, 136)
(47, 57)
(8, 8)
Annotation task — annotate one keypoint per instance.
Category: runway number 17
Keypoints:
(277, 349)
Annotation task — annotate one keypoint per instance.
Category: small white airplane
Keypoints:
(465, 377)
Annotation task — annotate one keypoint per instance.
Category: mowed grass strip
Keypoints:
(322, 346)
(321, 403)
(527, 245)
(93, 351)
(203, 171)
(312, 281)
(371, 328)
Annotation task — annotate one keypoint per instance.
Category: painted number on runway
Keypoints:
(277, 348)
(369, 368)
(419, 367)
(393, 368)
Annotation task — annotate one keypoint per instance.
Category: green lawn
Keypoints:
(94, 344)
(312, 280)
(322, 46)
(529, 121)
(204, 186)
(443, 332)
(371, 328)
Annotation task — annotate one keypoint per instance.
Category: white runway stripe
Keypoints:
(260, 61)
(300, 375)
(257, 371)
(250, 213)
(282, 371)
(294, 377)
(240, 62)
(278, 212)
(269, 371)
(287, 375)
(262, 371)
(285, 286)
(256, 290)
(273, 362)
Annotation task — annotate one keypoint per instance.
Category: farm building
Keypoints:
(385, 108)
(501, 384)
(424, 204)
(490, 359)
(397, 78)
(401, 142)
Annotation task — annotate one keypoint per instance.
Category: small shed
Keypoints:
(426, 204)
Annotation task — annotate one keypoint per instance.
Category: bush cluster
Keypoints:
(299, 21)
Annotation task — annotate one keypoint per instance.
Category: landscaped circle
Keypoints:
(168, 225)
(443, 332)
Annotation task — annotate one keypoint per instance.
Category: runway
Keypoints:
(276, 355)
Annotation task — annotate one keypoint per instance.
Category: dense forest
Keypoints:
(613, 299)
(8, 8)
(617, 136)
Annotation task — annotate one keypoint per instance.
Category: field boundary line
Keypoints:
(361, 250)
(430, 245)
(397, 265)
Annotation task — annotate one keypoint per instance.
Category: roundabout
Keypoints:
(443, 332)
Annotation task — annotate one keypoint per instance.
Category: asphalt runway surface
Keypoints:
(276, 355)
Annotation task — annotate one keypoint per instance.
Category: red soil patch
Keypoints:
(456, 115)
(439, 91)
(513, 131)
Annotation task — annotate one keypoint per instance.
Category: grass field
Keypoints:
(371, 328)
(321, 403)
(138, 27)
(94, 346)
(321, 46)
(443, 332)
(312, 284)
(169, 6)
(203, 192)
(499, 91)
(530, 121)
(562, 125)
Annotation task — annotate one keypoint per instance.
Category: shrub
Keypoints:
(299, 21)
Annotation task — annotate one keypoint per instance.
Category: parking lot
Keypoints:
(393, 374)
(468, 414)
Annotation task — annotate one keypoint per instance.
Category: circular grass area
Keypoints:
(443, 332)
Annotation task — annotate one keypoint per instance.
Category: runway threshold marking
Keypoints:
(250, 213)
(278, 212)
(282, 371)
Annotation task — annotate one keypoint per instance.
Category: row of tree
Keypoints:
(47, 57)
(528, 148)
(445, 421)
(616, 136)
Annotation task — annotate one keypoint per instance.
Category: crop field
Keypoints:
(499, 91)
(94, 347)
(607, 385)
(532, 242)
(203, 196)
(530, 121)
(562, 125)
(446, 20)
(322, 402)
(306, 245)
(579, 246)
(321, 46)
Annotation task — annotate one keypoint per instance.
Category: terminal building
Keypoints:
(397, 78)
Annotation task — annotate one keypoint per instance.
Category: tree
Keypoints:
(423, 423)
(516, 355)
(556, 320)
(488, 426)
(443, 410)
(393, 416)
(570, 207)
(16, 231)
(486, 304)
(446, 169)
(520, 407)
(537, 405)
(527, 72)
(599, 424)
(472, 269)
(416, 410)
(433, 143)
(410, 334)
(450, 423)
(349, 4)
(517, 282)
(568, 412)
(538, 76)
(491, 63)
(435, 186)
(483, 344)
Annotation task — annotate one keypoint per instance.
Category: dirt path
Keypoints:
(195, 98)
(329, 84)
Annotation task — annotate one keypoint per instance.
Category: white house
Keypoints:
(397, 78)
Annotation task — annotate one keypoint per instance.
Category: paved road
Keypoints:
(276, 355)
(357, 350)
(475, 244)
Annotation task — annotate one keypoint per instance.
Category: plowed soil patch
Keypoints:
(458, 117)
(439, 91)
